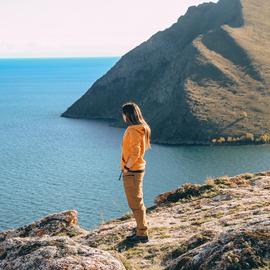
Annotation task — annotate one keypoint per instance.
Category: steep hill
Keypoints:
(206, 76)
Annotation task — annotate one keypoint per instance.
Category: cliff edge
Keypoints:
(222, 224)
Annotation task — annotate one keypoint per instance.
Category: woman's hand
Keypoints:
(125, 170)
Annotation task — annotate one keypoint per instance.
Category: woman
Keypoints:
(136, 141)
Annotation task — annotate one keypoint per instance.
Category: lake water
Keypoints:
(49, 163)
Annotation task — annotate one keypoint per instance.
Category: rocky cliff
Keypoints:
(206, 76)
(222, 224)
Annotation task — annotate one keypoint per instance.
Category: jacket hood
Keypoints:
(139, 128)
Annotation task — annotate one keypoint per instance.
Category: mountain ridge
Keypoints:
(197, 79)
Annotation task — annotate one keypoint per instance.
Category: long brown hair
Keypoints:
(134, 117)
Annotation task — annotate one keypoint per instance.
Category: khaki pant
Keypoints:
(133, 189)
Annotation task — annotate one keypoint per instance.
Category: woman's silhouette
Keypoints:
(136, 140)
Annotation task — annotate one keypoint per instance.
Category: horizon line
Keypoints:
(56, 57)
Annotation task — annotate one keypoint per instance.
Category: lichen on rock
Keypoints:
(50, 243)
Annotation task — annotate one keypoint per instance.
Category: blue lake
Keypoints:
(49, 163)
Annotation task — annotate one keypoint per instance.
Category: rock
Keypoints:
(49, 244)
(62, 223)
(222, 197)
(240, 249)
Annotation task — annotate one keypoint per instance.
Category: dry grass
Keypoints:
(186, 192)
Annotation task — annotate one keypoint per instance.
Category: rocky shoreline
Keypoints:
(222, 224)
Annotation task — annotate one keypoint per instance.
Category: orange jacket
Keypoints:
(133, 148)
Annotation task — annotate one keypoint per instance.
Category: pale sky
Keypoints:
(63, 28)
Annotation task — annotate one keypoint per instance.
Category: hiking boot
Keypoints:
(133, 233)
(138, 239)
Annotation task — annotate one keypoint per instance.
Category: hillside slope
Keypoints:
(206, 76)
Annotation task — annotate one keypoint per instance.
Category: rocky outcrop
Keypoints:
(246, 248)
(50, 244)
(222, 224)
(207, 76)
